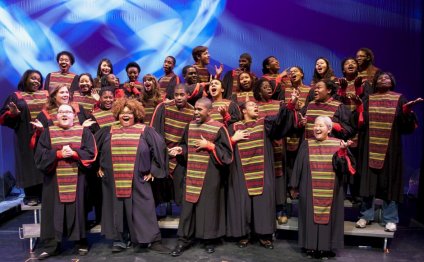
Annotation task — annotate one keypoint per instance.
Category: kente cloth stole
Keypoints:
(214, 113)
(87, 102)
(251, 153)
(67, 168)
(241, 97)
(316, 109)
(198, 161)
(323, 176)
(382, 112)
(35, 101)
(149, 109)
(57, 78)
(235, 74)
(272, 108)
(164, 82)
(303, 94)
(175, 123)
(124, 143)
(203, 74)
(104, 117)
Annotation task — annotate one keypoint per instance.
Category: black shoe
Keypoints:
(159, 248)
(243, 243)
(141, 248)
(209, 248)
(266, 244)
(179, 249)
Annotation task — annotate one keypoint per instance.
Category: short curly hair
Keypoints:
(134, 105)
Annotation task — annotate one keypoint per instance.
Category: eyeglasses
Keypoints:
(65, 112)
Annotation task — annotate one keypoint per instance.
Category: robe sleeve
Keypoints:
(47, 82)
(228, 84)
(171, 86)
(280, 125)
(234, 112)
(343, 117)
(407, 120)
(158, 153)
(299, 165)
(45, 157)
(344, 164)
(222, 154)
(87, 153)
(74, 85)
(158, 119)
(6, 118)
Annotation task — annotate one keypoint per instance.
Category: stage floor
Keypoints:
(406, 246)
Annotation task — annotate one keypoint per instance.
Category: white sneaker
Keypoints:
(361, 223)
(390, 227)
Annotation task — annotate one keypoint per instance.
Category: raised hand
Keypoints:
(413, 102)
(88, 123)
(345, 144)
(218, 70)
(223, 110)
(37, 124)
(14, 109)
(343, 83)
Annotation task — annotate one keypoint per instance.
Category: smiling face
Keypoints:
(362, 58)
(201, 113)
(62, 96)
(191, 76)
(273, 65)
(33, 82)
(132, 74)
(321, 130)
(106, 100)
(321, 66)
(168, 65)
(112, 80)
(244, 64)
(126, 117)
(105, 68)
(215, 89)
(205, 58)
(65, 116)
(85, 84)
(64, 63)
(321, 92)
(245, 82)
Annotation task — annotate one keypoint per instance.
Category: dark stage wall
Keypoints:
(295, 31)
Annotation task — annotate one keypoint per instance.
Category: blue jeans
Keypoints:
(390, 210)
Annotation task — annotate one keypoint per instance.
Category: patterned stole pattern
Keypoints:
(149, 109)
(198, 161)
(175, 123)
(303, 94)
(51, 114)
(124, 143)
(87, 102)
(203, 74)
(215, 115)
(235, 73)
(241, 96)
(104, 117)
(323, 176)
(382, 111)
(164, 82)
(272, 108)
(35, 101)
(57, 78)
(251, 154)
(316, 109)
(67, 168)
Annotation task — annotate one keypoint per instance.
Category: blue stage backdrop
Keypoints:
(295, 31)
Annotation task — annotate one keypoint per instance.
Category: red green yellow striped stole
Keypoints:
(35, 101)
(382, 111)
(51, 114)
(271, 108)
(164, 82)
(149, 109)
(323, 176)
(87, 102)
(67, 168)
(104, 117)
(197, 161)
(214, 113)
(251, 154)
(303, 94)
(203, 74)
(175, 122)
(316, 109)
(235, 73)
(124, 143)
(57, 78)
(241, 97)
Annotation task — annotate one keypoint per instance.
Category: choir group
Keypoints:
(228, 152)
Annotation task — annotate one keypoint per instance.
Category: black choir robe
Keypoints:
(325, 237)
(256, 213)
(206, 218)
(139, 209)
(62, 218)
